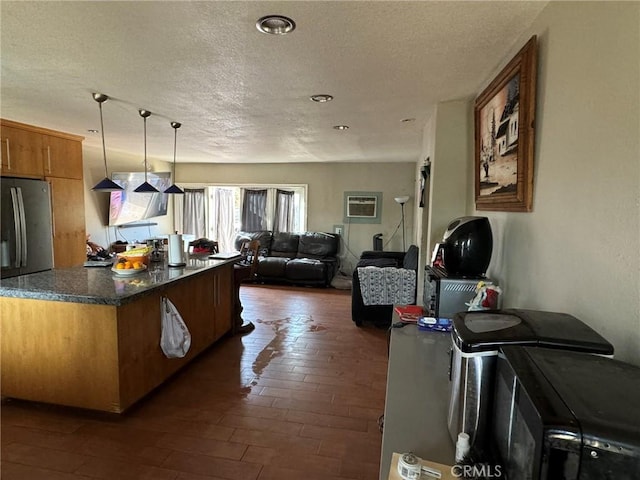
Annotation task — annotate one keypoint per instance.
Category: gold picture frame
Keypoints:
(504, 118)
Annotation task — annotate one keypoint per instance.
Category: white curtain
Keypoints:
(284, 217)
(194, 213)
(221, 222)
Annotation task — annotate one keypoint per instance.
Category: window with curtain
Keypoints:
(219, 212)
(194, 216)
(254, 210)
(273, 209)
(220, 224)
(284, 220)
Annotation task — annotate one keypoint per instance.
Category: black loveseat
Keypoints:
(379, 315)
(309, 258)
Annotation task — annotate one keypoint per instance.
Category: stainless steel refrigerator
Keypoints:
(26, 240)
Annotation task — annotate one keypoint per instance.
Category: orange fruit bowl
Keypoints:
(132, 259)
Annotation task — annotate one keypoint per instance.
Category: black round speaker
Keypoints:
(468, 244)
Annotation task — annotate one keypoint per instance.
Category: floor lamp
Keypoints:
(402, 201)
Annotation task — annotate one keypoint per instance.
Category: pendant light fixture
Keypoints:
(146, 187)
(174, 188)
(105, 185)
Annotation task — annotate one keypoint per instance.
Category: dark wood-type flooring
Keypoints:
(297, 398)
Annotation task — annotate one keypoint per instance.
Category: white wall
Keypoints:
(96, 204)
(578, 251)
(446, 144)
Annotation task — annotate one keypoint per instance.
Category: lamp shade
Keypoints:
(146, 187)
(174, 189)
(402, 200)
(107, 185)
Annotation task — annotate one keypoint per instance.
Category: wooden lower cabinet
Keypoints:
(105, 357)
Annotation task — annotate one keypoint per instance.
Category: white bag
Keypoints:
(175, 339)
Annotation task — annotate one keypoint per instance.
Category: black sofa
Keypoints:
(309, 258)
(379, 315)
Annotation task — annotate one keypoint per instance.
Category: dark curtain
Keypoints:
(254, 210)
(284, 211)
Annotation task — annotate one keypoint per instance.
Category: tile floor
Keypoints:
(297, 398)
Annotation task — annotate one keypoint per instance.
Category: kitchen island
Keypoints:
(90, 338)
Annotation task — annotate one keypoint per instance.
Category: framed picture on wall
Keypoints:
(504, 117)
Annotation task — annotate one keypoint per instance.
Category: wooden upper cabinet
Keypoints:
(36, 152)
(29, 151)
(62, 157)
(21, 152)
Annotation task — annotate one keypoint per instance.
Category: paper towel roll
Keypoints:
(5, 257)
(176, 252)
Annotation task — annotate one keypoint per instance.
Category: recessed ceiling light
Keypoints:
(341, 127)
(321, 98)
(92, 130)
(275, 25)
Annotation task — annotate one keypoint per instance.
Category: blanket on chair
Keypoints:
(387, 285)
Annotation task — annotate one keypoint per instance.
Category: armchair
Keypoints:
(380, 280)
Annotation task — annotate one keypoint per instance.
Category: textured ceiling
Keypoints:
(241, 95)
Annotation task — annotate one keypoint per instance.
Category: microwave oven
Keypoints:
(565, 415)
(445, 295)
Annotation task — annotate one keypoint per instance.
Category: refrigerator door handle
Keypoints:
(23, 230)
(15, 204)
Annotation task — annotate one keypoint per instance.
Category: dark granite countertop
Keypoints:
(99, 285)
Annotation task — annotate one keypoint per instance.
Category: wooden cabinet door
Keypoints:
(62, 157)
(192, 298)
(21, 153)
(69, 234)
(223, 298)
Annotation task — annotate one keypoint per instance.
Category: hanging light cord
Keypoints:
(175, 141)
(104, 149)
(145, 149)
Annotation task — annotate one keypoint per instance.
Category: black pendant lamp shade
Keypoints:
(106, 184)
(174, 188)
(146, 187)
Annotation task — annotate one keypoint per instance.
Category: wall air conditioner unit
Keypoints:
(362, 206)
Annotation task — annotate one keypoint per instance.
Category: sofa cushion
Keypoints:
(306, 269)
(263, 236)
(272, 267)
(284, 244)
(377, 262)
(318, 245)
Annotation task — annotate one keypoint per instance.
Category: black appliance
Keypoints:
(476, 338)
(377, 242)
(566, 415)
(26, 240)
(467, 246)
